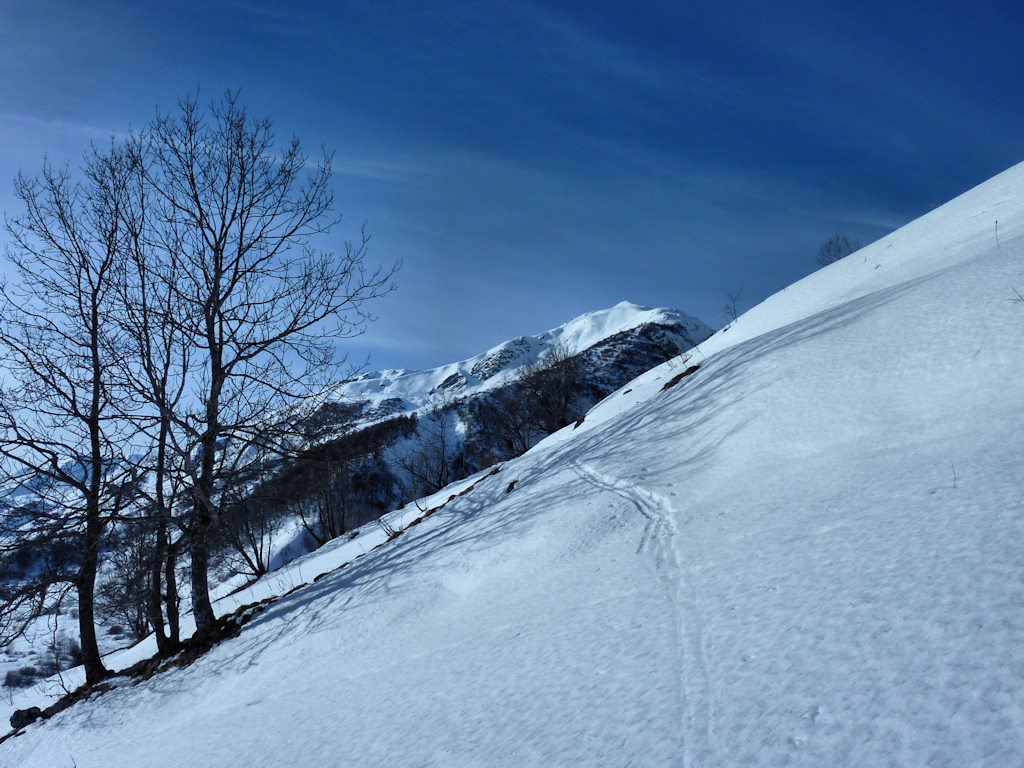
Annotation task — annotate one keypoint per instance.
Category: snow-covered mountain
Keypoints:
(387, 422)
(628, 336)
(614, 345)
(806, 551)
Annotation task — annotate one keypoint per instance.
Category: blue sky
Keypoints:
(532, 161)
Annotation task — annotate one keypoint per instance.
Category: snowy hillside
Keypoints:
(372, 436)
(809, 551)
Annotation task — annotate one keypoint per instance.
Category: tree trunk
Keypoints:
(203, 510)
(155, 602)
(199, 545)
(155, 607)
(171, 580)
(91, 659)
(94, 669)
(199, 535)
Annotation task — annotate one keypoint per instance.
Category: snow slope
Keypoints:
(808, 552)
(614, 345)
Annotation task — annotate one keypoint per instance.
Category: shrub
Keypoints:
(21, 678)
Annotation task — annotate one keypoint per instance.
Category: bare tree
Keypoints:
(232, 223)
(58, 425)
(837, 247)
(251, 514)
(551, 389)
(730, 311)
(124, 594)
(325, 510)
(343, 479)
(539, 399)
(430, 464)
(156, 370)
(506, 414)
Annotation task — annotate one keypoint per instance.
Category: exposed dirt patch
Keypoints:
(679, 377)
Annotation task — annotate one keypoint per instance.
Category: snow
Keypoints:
(412, 388)
(808, 552)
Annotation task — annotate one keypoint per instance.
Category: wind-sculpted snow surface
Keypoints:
(806, 552)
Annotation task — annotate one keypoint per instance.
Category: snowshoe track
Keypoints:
(659, 538)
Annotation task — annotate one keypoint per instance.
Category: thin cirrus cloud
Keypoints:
(53, 128)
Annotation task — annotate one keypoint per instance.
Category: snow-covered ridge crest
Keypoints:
(982, 219)
(493, 367)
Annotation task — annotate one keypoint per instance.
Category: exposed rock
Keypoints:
(23, 717)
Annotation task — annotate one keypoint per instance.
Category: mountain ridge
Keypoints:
(494, 365)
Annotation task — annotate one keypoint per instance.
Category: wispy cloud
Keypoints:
(68, 128)
(374, 169)
(588, 48)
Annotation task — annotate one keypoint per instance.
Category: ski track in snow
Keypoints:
(660, 538)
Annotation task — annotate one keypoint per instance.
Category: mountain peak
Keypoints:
(492, 367)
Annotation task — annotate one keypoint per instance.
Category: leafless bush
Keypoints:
(124, 593)
(249, 521)
(730, 311)
(837, 247)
